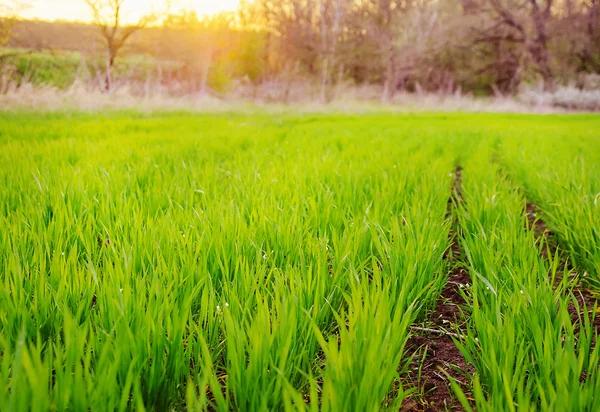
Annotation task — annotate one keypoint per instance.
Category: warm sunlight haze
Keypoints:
(134, 9)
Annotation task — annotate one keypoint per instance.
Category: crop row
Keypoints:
(261, 262)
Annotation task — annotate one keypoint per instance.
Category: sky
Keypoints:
(134, 9)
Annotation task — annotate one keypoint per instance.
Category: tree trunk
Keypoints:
(389, 85)
(539, 46)
(593, 40)
(110, 63)
(329, 48)
(267, 55)
(205, 69)
(324, 52)
(388, 45)
(109, 69)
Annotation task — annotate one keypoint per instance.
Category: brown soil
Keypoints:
(586, 302)
(540, 229)
(434, 342)
(442, 357)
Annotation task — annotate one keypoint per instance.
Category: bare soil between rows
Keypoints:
(442, 357)
(436, 355)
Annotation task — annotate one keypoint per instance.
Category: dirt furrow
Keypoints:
(436, 356)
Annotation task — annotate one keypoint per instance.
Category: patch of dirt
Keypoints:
(456, 192)
(542, 232)
(436, 355)
(441, 356)
(586, 302)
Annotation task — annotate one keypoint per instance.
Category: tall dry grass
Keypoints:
(272, 96)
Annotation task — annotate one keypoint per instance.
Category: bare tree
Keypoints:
(108, 15)
(387, 40)
(526, 23)
(6, 25)
(331, 18)
(593, 35)
(8, 17)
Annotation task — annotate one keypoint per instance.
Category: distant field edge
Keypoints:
(51, 101)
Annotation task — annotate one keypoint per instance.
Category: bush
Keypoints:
(568, 97)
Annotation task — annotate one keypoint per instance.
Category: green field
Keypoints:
(298, 262)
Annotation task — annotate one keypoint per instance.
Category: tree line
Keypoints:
(442, 46)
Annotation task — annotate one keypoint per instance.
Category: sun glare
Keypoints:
(77, 10)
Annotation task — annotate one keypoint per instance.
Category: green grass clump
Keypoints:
(527, 350)
(562, 176)
(260, 262)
